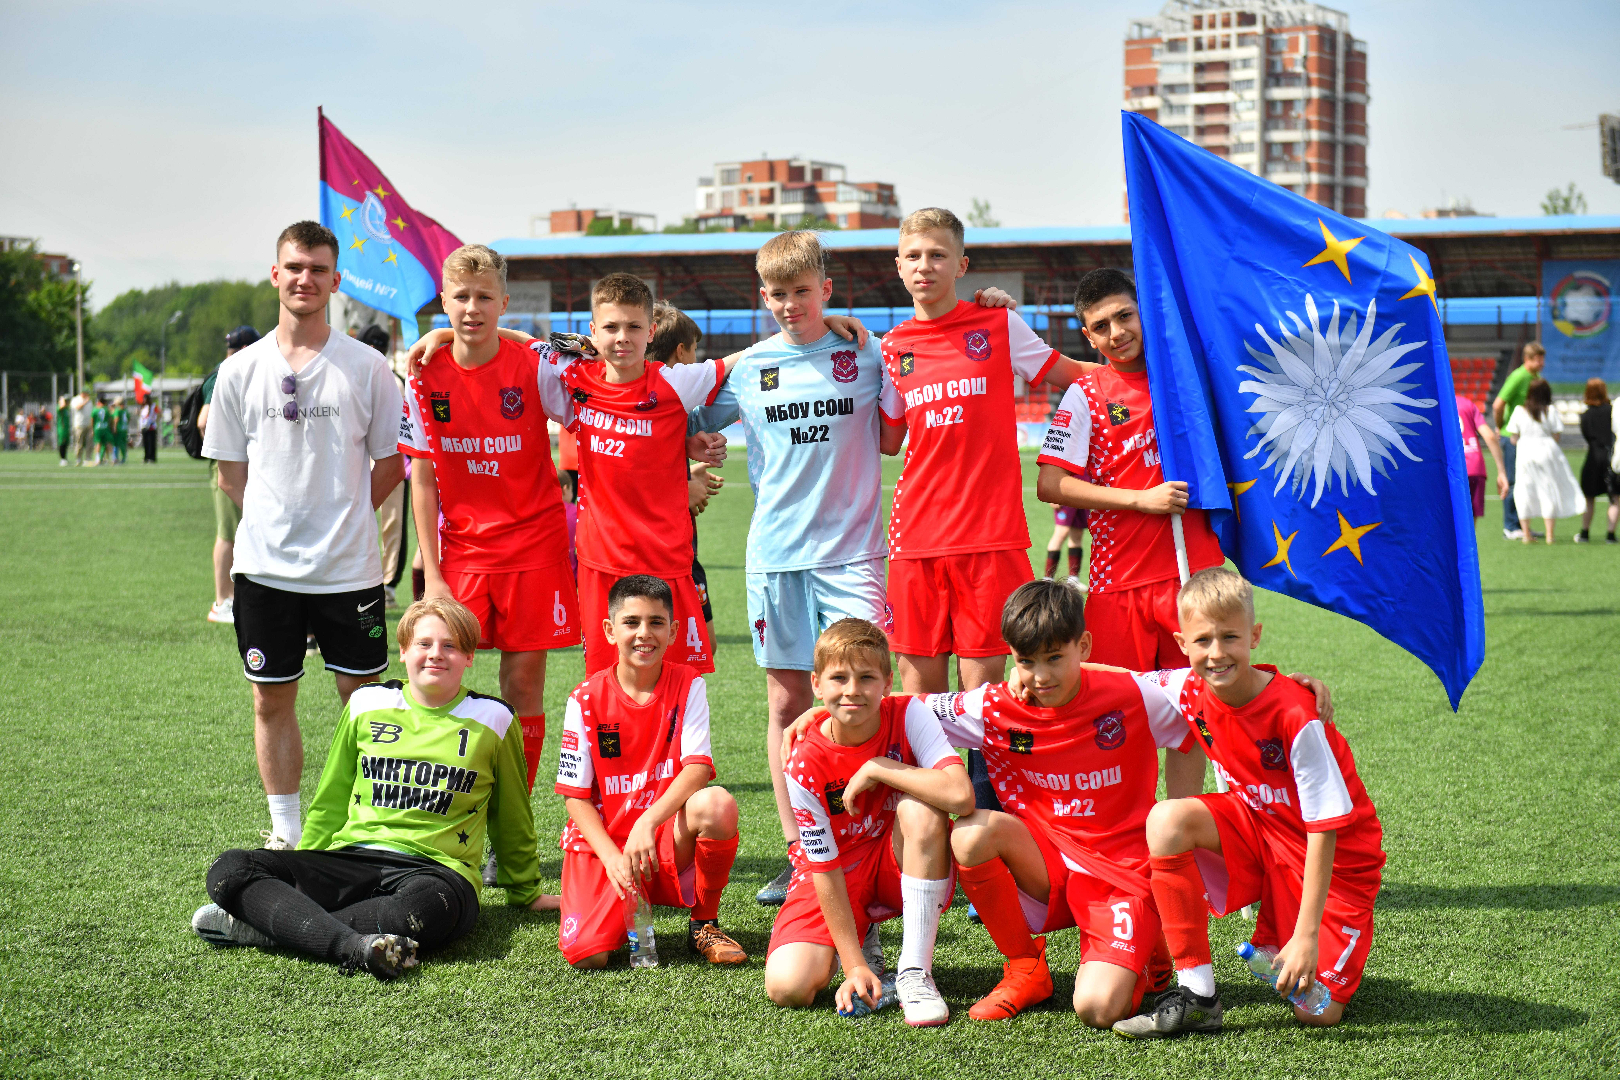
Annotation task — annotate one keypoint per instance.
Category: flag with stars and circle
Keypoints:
(1301, 387)
(389, 255)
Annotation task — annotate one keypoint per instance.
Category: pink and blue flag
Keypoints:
(389, 255)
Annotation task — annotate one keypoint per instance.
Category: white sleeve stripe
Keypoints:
(1323, 795)
(1070, 441)
(964, 729)
(1169, 727)
(816, 840)
(574, 767)
(928, 743)
(412, 432)
(695, 725)
(1030, 355)
(694, 384)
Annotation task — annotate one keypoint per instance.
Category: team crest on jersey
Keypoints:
(1203, 729)
(511, 402)
(385, 733)
(759, 628)
(1020, 742)
(1118, 413)
(770, 378)
(1110, 730)
(255, 659)
(908, 363)
(844, 368)
(441, 406)
(893, 752)
(977, 344)
(1271, 754)
(581, 396)
(607, 742)
(835, 798)
(648, 403)
(1062, 418)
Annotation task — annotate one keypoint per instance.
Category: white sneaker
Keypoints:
(222, 611)
(272, 842)
(920, 998)
(872, 950)
(1076, 583)
(1513, 534)
(219, 927)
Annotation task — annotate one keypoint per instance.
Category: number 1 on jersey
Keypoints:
(463, 751)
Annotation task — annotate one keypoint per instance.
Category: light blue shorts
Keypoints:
(787, 611)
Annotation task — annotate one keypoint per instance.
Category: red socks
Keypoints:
(1178, 889)
(991, 887)
(534, 738)
(712, 862)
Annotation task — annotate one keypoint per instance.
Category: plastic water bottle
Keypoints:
(1260, 958)
(638, 924)
(858, 1006)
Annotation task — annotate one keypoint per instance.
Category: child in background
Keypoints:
(1474, 428)
(1598, 475)
(1543, 485)
(1067, 523)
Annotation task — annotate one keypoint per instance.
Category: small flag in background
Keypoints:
(1301, 388)
(389, 255)
(143, 382)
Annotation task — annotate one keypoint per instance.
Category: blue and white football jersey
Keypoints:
(810, 418)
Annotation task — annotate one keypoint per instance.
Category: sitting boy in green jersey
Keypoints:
(388, 860)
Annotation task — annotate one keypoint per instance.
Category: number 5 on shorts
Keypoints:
(1344, 957)
(1123, 927)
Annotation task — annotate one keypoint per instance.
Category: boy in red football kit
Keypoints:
(1101, 455)
(1296, 831)
(475, 425)
(958, 540)
(872, 782)
(633, 771)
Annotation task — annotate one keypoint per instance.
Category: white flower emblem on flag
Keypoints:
(1331, 403)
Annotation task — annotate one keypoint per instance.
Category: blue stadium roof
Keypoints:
(717, 243)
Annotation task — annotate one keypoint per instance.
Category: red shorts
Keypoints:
(521, 611)
(874, 896)
(691, 644)
(952, 603)
(1116, 927)
(1131, 628)
(593, 917)
(1246, 872)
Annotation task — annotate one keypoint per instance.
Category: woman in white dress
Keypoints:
(1545, 486)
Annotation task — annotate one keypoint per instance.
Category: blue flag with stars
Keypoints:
(1301, 388)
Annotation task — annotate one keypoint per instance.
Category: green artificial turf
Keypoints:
(125, 741)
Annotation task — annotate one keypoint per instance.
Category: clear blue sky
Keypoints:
(173, 141)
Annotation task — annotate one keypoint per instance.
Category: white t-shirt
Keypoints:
(307, 522)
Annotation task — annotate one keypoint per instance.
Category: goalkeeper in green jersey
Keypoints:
(388, 860)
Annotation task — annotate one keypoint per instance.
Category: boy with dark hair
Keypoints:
(1101, 455)
(1296, 832)
(873, 782)
(633, 771)
(388, 860)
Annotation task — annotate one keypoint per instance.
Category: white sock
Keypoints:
(284, 817)
(1200, 980)
(923, 900)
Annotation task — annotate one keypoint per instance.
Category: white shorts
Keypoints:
(787, 611)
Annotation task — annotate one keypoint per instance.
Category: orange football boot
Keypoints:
(1025, 981)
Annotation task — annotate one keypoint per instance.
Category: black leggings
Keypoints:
(324, 903)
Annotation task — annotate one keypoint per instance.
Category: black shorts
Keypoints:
(350, 627)
(701, 580)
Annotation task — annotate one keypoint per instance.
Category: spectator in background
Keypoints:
(391, 514)
(83, 407)
(1545, 487)
(64, 429)
(1598, 475)
(1509, 398)
(101, 431)
(227, 515)
(1474, 428)
(119, 420)
(149, 430)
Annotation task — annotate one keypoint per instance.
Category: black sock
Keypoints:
(1052, 558)
(418, 583)
(1075, 555)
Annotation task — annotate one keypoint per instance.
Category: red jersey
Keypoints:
(833, 833)
(1295, 772)
(633, 516)
(623, 756)
(1085, 774)
(484, 429)
(1103, 431)
(961, 488)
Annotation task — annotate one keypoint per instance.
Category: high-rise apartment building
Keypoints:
(1277, 87)
(786, 191)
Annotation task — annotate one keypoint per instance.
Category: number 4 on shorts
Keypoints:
(694, 637)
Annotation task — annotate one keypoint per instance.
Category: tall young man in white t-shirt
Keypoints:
(296, 420)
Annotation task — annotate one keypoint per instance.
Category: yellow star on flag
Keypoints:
(1336, 250)
(401, 224)
(358, 243)
(381, 194)
(1238, 489)
(393, 257)
(346, 212)
(1425, 285)
(1282, 550)
(1350, 538)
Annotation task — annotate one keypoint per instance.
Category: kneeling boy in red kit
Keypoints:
(872, 783)
(633, 771)
(1296, 832)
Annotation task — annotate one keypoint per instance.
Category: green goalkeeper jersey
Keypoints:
(426, 782)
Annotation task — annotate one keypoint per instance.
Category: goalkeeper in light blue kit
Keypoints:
(809, 403)
(388, 860)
